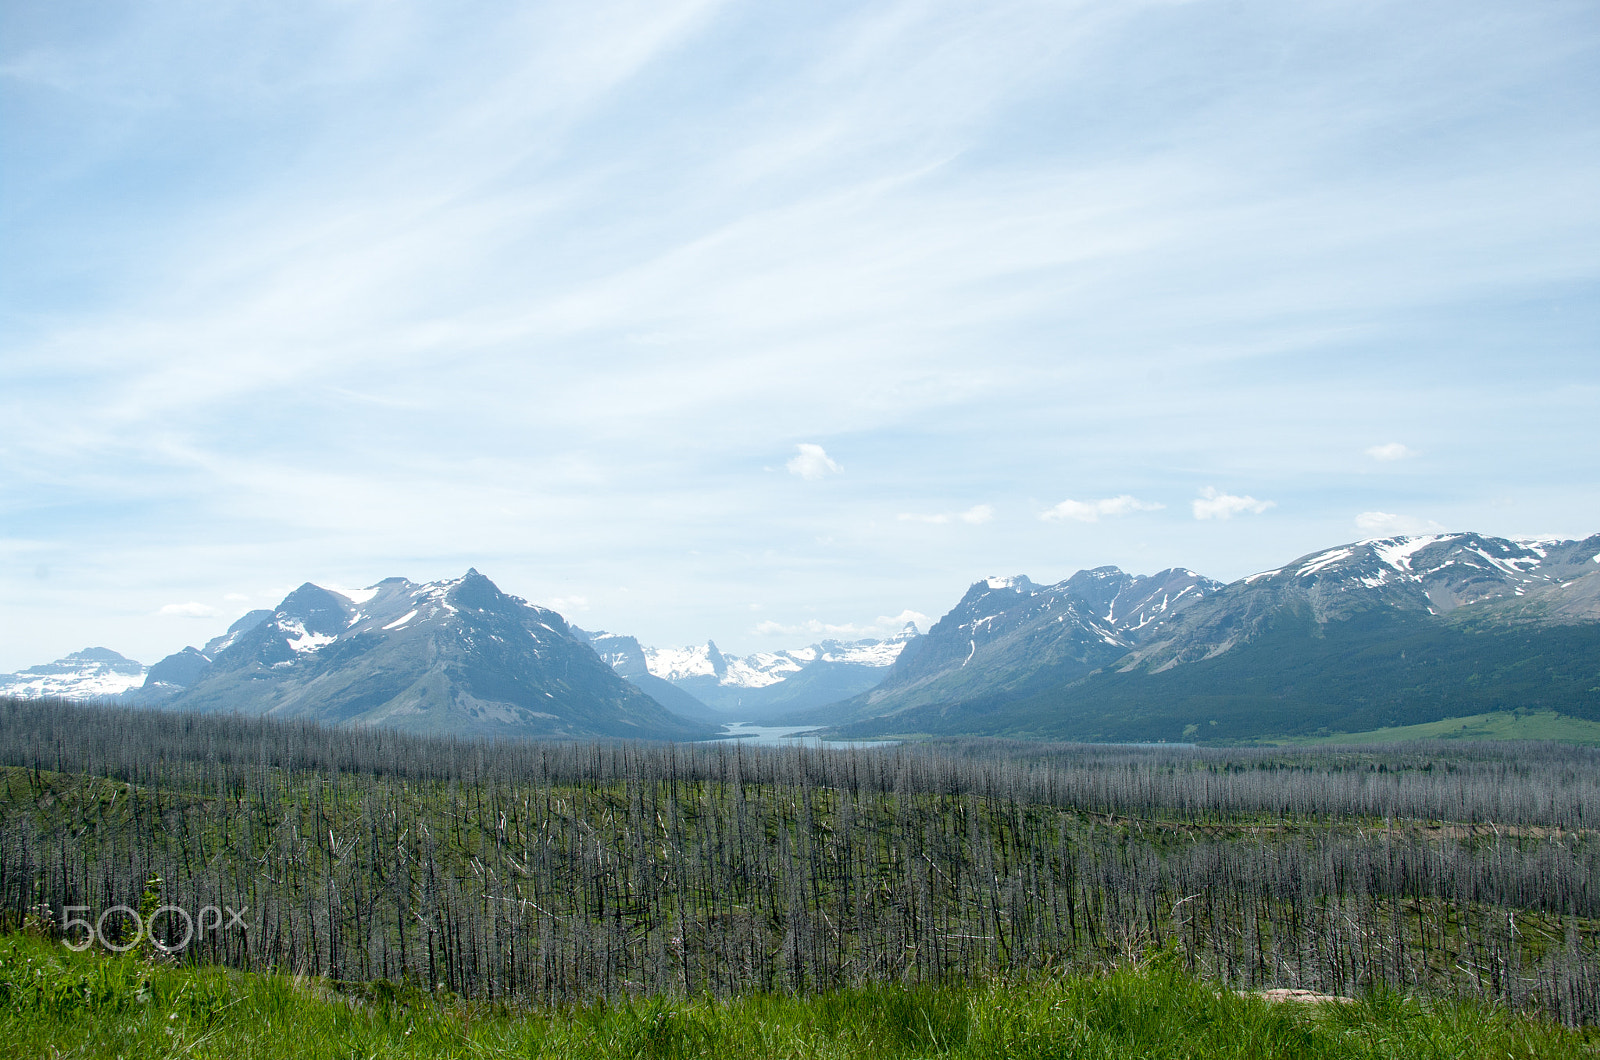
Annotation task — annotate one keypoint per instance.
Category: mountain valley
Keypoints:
(1373, 635)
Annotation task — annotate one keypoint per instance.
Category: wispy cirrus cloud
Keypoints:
(568, 278)
(1093, 511)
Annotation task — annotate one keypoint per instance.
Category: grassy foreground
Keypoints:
(55, 1003)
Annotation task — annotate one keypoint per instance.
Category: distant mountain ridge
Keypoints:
(1377, 633)
(624, 655)
(1372, 634)
(1011, 636)
(444, 657)
(762, 685)
(93, 673)
(1435, 574)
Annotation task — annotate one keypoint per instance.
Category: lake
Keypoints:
(786, 736)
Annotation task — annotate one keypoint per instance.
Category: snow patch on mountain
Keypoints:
(1510, 566)
(302, 641)
(675, 664)
(759, 670)
(1324, 561)
(1397, 551)
(864, 652)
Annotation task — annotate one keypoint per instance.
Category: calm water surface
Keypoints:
(789, 736)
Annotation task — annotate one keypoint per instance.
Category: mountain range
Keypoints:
(762, 686)
(445, 657)
(1009, 637)
(1375, 634)
(1381, 633)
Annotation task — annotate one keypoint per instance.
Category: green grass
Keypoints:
(1496, 725)
(56, 1003)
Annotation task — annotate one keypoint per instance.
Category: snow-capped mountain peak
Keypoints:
(93, 673)
(1440, 572)
(765, 668)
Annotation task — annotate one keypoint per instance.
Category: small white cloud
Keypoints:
(976, 515)
(563, 604)
(1391, 451)
(1212, 504)
(1091, 511)
(192, 609)
(1387, 524)
(895, 623)
(812, 462)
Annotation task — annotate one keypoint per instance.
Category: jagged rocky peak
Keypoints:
(1131, 603)
(314, 610)
(1017, 583)
(473, 590)
(178, 670)
(249, 621)
(619, 651)
(719, 663)
(1105, 601)
(455, 656)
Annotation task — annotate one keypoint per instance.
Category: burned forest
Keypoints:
(548, 873)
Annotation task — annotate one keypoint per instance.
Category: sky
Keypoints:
(768, 322)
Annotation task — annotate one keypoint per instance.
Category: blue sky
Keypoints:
(762, 322)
